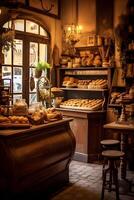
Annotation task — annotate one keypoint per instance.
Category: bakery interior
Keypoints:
(67, 99)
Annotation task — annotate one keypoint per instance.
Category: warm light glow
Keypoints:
(0, 11)
(69, 29)
(73, 32)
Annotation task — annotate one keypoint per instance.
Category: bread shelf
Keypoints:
(84, 89)
(85, 67)
(85, 73)
(114, 105)
(81, 110)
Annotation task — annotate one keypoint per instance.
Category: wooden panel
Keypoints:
(88, 130)
(79, 127)
(104, 16)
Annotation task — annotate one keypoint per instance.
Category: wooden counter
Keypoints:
(36, 158)
(87, 127)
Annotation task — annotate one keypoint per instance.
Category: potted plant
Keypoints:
(41, 66)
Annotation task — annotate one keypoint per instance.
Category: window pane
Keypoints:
(32, 98)
(6, 75)
(7, 82)
(17, 52)
(6, 72)
(17, 79)
(43, 52)
(19, 25)
(7, 57)
(18, 96)
(43, 32)
(32, 27)
(33, 53)
(5, 25)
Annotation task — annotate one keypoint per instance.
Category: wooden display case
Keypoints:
(87, 124)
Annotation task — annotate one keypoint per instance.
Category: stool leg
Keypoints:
(110, 180)
(103, 184)
(115, 178)
(103, 168)
(111, 167)
(104, 164)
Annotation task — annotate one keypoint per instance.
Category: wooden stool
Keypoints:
(110, 144)
(112, 156)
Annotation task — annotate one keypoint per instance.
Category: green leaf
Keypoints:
(42, 65)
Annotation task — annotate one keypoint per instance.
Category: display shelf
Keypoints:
(78, 108)
(85, 73)
(115, 105)
(82, 110)
(86, 67)
(84, 89)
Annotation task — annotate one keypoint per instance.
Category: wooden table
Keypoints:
(124, 130)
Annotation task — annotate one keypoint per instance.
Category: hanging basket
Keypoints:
(38, 73)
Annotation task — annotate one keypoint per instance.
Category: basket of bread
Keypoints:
(53, 114)
(42, 116)
(38, 117)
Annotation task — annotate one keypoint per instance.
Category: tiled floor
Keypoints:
(86, 183)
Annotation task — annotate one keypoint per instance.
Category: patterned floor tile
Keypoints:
(86, 184)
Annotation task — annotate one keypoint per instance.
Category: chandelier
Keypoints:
(73, 33)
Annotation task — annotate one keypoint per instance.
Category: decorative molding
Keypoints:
(36, 7)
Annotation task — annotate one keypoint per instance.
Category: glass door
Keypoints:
(12, 69)
(38, 52)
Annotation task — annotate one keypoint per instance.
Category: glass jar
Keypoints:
(20, 107)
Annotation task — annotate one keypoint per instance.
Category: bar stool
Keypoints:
(110, 144)
(111, 171)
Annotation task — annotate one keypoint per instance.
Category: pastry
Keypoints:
(4, 119)
(90, 104)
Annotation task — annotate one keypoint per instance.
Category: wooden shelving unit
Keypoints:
(86, 125)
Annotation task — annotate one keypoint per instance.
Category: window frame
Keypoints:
(27, 37)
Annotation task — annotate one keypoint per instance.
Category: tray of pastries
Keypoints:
(14, 122)
(83, 104)
(99, 84)
(71, 82)
(83, 83)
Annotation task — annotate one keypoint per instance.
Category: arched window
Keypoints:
(31, 44)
